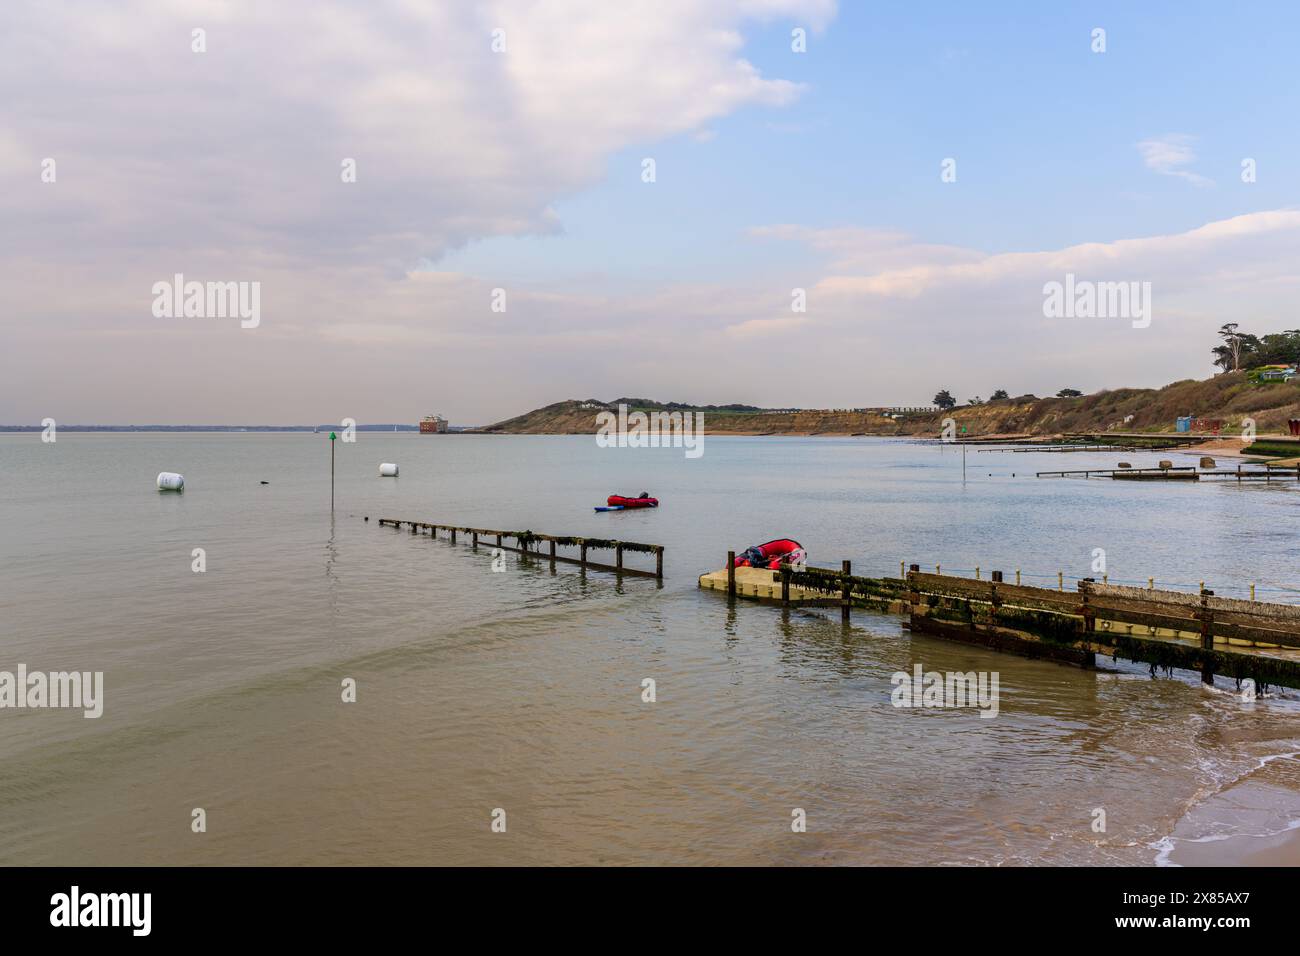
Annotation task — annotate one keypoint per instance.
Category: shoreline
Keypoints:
(1260, 800)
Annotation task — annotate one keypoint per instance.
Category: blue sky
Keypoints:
(1044, 132)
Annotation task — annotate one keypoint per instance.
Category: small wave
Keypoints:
(1166, 845)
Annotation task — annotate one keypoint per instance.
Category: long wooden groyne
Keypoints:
(1164, 629)
(530, 543)
(1178, 473)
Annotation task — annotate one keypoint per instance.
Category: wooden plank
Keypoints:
(1110, 606)
(1128, 615)
(1028, 595)
(1258, 634)
(523, 539)
(590, 565)
(1231, 606)
(948, 584)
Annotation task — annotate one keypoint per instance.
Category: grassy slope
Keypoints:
(1227, 396)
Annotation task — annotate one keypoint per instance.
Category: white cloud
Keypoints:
(160, 148)
(890, 320)
(226, 165)
(1168, 155)
(752, 327)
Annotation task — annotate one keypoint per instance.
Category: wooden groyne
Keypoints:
(1084, 441)
(1178, 473)
(531, 543)
(1181, 471)
(1031, 449)
(1161, 628)
(1141, 440)
(808, 586)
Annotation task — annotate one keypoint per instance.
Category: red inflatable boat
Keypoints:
(644, 501)
(771, 555)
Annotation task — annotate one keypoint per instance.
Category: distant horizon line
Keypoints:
(389, 426)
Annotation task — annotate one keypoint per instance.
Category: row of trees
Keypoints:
(945, 400)
(1240, 350)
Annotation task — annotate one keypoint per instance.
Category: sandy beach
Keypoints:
(1252, 822)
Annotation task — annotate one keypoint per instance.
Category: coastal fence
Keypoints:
(1268, 473)
(1183, 471)
(807, 586)
(1165, 629)
(530, 543)
(1201, 632)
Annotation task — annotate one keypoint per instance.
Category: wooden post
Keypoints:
(902, 570)
(475, 534)
(1089, 622)
(785, 585)
(1151, 584)
(846, 569)
(498, 541)
(659, 563)
(1207, 636)
(453, 535)
(1252, 590)
(731, 574)
(1017, 577)
(618, 556)
(977, 572)
(584, 555)
(552, 552)
(1060, 580)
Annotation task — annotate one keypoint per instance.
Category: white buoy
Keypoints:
(170, 481)
(387, 470)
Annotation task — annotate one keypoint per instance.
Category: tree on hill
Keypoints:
(1277, 348)
(997, 394)
(974, 401)
(944, 399)
(1238, 347)
(1069, 393)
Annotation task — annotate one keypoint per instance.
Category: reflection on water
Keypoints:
(522, 689)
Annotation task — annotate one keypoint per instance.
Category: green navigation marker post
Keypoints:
(333, 438)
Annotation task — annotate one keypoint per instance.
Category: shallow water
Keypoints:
(521, 690)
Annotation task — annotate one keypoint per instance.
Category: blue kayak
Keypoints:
(610, 508)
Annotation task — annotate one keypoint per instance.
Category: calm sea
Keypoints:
(521, 690)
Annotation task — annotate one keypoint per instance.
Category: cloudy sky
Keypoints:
(503, 146)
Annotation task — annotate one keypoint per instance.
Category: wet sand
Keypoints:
(1252, 822)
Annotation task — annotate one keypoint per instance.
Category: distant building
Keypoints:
(1277, 373)
(433, 425)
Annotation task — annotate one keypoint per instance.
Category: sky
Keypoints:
(851, 204)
